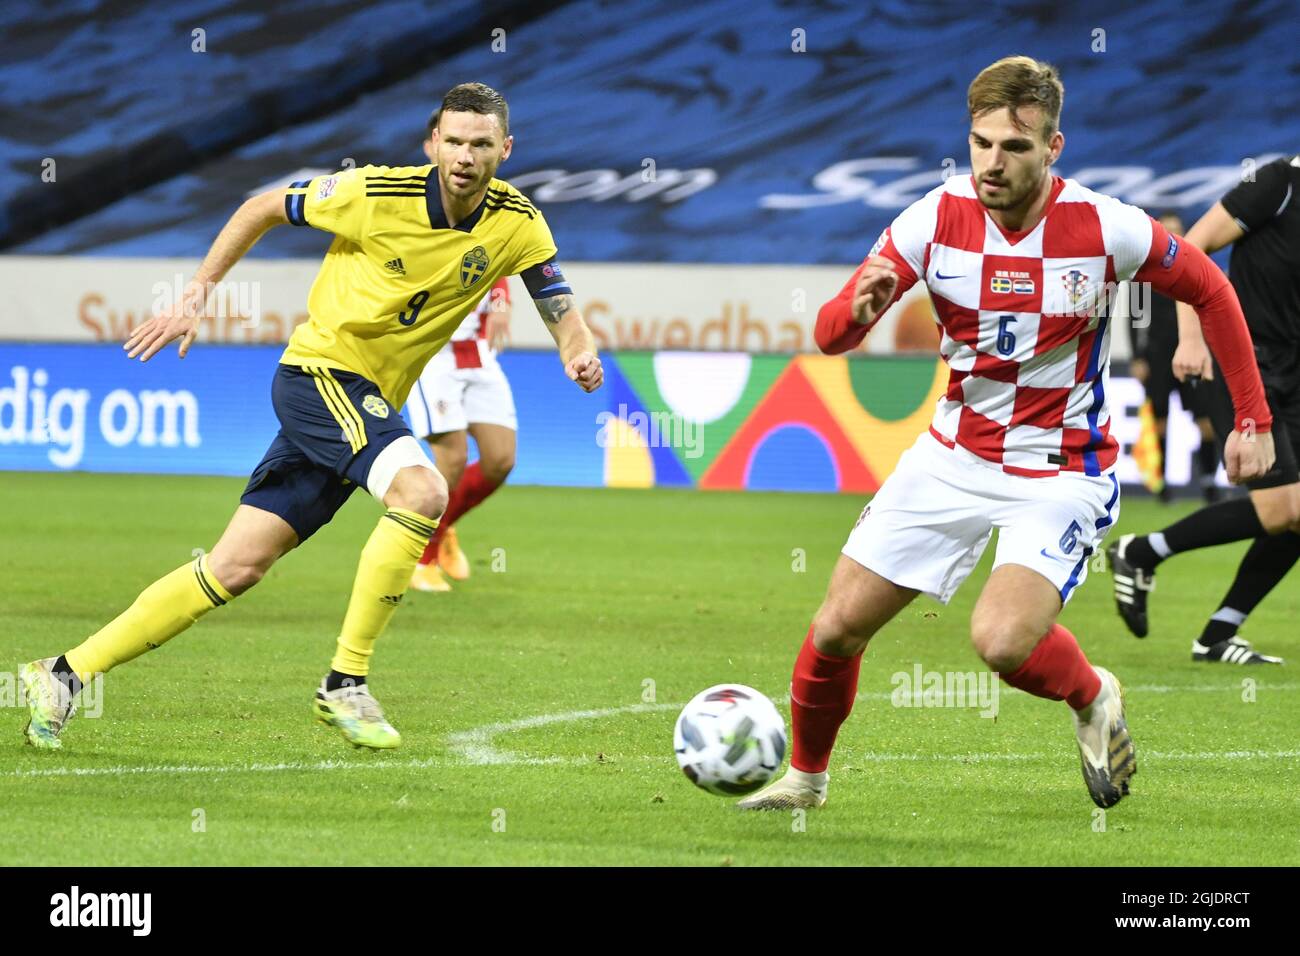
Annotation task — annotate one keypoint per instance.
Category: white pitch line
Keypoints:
(475, 747)
(1154, 754)
(424, 763)
(1205, 688)
(163, 769)
(1133, 688)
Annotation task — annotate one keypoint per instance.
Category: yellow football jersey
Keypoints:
(397, 279)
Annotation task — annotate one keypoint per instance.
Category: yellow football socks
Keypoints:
(163, 610)
(387, 562)
(174, 602)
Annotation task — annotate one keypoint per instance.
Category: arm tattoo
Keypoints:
(553, 308)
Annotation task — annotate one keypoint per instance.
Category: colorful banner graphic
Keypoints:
(714, 420)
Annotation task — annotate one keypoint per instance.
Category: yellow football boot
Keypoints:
(354, 713)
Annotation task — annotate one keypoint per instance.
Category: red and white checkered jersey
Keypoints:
(1027, 346)
(474, 325)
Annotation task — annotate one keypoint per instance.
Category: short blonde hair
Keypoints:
(1016, 81)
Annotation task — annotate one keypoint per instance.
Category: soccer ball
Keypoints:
(729, 739)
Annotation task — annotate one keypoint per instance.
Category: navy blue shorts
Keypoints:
(333, 425)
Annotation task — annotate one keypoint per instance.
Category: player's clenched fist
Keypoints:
(875, 287)
(1192, 358)
(1247, 457)
(584, 368)
(179, 321)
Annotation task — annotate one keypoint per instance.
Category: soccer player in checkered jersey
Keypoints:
(1015, 260)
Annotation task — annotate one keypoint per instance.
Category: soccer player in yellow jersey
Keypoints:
(414, 247)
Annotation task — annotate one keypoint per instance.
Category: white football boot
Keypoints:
(1234, 650)
(1105, 747)
(796, 790)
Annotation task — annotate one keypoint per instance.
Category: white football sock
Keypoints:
(814, 780)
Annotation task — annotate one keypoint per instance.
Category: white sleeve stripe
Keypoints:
(1285, 202)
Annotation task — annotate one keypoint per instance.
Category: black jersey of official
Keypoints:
(1265, 263)
(1156, 339)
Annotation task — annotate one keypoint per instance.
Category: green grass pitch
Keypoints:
(524, 698)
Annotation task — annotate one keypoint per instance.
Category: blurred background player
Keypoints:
(464, 391)
(1014, 258)
(1154, 340)
(1260, 217)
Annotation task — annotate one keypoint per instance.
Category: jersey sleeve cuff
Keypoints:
(295, 202)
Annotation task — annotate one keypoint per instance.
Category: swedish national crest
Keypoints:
(473, 266)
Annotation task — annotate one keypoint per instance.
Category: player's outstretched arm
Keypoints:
(574, 339)
(1211, 233)
(181, 321)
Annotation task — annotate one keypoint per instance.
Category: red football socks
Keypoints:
(469, 492)
(823, 688)
(821, 697)
(1057, 670)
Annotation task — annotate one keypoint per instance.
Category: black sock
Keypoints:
(1207, 461)
(1217, 631)
(337, 679)
(63, 671)
(1166, 493)
(1222, 523)
(1267, 562)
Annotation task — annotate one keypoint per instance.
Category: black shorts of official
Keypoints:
(1161, 383)
(333, 424)
(1282, 389)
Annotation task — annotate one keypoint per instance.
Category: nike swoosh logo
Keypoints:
(1044, 553)
(940, 275)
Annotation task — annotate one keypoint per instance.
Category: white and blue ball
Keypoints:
(730, 740)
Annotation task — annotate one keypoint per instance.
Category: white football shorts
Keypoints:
(448, 398)
(930, 522)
